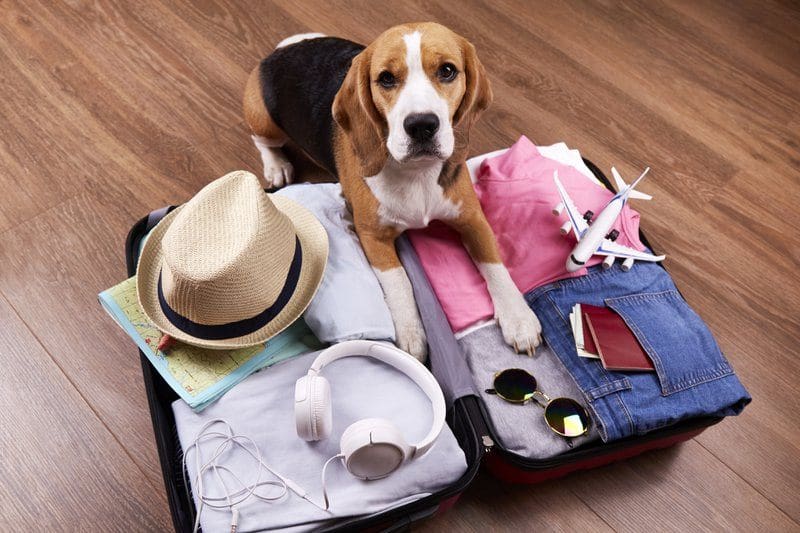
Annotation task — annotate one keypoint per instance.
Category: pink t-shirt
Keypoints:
(517, 193)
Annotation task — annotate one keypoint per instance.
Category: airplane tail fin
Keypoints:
(639, 195)
(621, 185)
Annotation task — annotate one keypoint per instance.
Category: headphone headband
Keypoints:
(401, 361)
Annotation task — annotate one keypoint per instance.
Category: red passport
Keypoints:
(613, 340)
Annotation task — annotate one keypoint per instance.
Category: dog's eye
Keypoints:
(387, 79)
(447, 72)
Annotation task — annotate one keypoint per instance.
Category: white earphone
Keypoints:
(372, 448)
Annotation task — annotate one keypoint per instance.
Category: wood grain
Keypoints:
(61, 468)
(111, 108)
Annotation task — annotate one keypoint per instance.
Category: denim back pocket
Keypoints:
(677, 340)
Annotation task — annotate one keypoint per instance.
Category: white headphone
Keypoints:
(372, 448)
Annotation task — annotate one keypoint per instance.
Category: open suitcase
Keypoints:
(467, 419)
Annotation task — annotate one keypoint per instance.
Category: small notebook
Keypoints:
(613, 340)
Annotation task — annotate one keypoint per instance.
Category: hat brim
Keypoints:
(314, 242)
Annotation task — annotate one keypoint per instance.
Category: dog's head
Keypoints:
(412, 95)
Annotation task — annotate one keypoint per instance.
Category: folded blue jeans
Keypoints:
(692, 378)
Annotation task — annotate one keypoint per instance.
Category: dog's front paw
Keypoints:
(278, 172)
(411, 338)
(521, 329)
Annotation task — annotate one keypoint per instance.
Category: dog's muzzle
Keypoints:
(421, 129)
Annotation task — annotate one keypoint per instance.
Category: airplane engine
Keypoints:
(627, 264)
(558, 209)
(608, 262)
(566, 227)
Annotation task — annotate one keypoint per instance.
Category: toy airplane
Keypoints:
(595, 237)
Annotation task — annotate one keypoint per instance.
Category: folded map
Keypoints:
(199, 375)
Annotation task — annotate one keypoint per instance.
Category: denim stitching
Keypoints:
(668, 387)
(623, 384)
(601, 428)
(645, 297)
(644, 431)
(558, 311)
(716, 367)
(654, 355)
(609, 387)
(720, 372)
(534, 294)
(631, 425)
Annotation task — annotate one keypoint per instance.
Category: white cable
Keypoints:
(324, 487)
(228, 440)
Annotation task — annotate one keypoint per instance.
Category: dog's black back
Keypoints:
(299, 83)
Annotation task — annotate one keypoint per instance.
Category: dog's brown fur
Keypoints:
(255, 112)
(360, 133)
(360, 146)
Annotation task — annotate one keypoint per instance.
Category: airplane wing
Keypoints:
(609, 247)
(579, 225)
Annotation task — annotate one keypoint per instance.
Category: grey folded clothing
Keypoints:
(262, 408)
(521, 428)
(349, 303)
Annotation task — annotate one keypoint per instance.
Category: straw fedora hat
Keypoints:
(232, 267)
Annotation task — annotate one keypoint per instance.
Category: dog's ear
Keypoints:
(477, 97)
(356, 114)
(478, 94)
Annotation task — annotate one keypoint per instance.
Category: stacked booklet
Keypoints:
(198, 375)
(602, 334)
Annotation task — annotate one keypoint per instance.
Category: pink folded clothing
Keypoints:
(517, 193)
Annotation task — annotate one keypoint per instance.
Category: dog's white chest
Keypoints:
(410, 200)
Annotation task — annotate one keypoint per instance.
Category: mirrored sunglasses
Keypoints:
(564, 416)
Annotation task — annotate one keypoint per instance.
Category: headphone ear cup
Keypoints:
(312, 408)
(373, 448)
(322, 414)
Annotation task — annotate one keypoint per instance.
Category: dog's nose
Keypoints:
(421, 126)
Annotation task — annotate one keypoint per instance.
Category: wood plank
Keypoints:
(61, 468)
(79, 151)
(767, 29)
(161, 84)
(517, 508)
(757, 328)
(26, 191)
(657, 57)
(54, 287)
(679, 489)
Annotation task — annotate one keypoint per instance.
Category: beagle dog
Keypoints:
(391, 120)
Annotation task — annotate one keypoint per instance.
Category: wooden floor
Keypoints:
(110, 109)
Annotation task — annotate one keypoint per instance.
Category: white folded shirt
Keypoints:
(349, 303)
(557, 152)
(262, 408)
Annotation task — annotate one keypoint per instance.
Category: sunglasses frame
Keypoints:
(543, 402)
